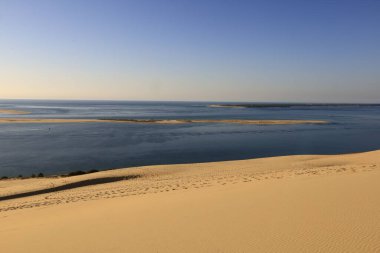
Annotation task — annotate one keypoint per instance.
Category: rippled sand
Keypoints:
(307, 203)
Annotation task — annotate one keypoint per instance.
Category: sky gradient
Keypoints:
(296, 51)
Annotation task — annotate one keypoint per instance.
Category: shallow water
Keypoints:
(61, 148)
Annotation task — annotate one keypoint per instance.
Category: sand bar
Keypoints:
(307, 203)
(163, 121)
(226, 106)
(13, 112)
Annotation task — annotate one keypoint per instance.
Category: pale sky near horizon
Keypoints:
(299, 51)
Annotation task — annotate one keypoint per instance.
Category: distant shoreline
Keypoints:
(284, 105)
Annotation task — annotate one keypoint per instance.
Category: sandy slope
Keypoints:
(283, 204)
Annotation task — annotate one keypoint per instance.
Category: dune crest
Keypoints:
(304, 203)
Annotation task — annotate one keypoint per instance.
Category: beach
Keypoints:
(302, 203)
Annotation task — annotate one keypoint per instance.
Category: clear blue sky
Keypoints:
(191, 50)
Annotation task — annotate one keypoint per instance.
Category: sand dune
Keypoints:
(305, 203)
(162, 121)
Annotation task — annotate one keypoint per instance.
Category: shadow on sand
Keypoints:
(69, 186)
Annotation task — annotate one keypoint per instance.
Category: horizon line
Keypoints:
(184, 101)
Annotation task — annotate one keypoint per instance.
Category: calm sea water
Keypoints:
(61, 148)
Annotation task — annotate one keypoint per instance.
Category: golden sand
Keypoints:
(306, 203)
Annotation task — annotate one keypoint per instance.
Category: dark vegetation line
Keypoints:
(291, 105)
(69, 186)
(71, 174)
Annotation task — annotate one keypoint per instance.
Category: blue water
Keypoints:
(61, 148)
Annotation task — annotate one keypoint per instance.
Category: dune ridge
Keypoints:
(304, 203)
